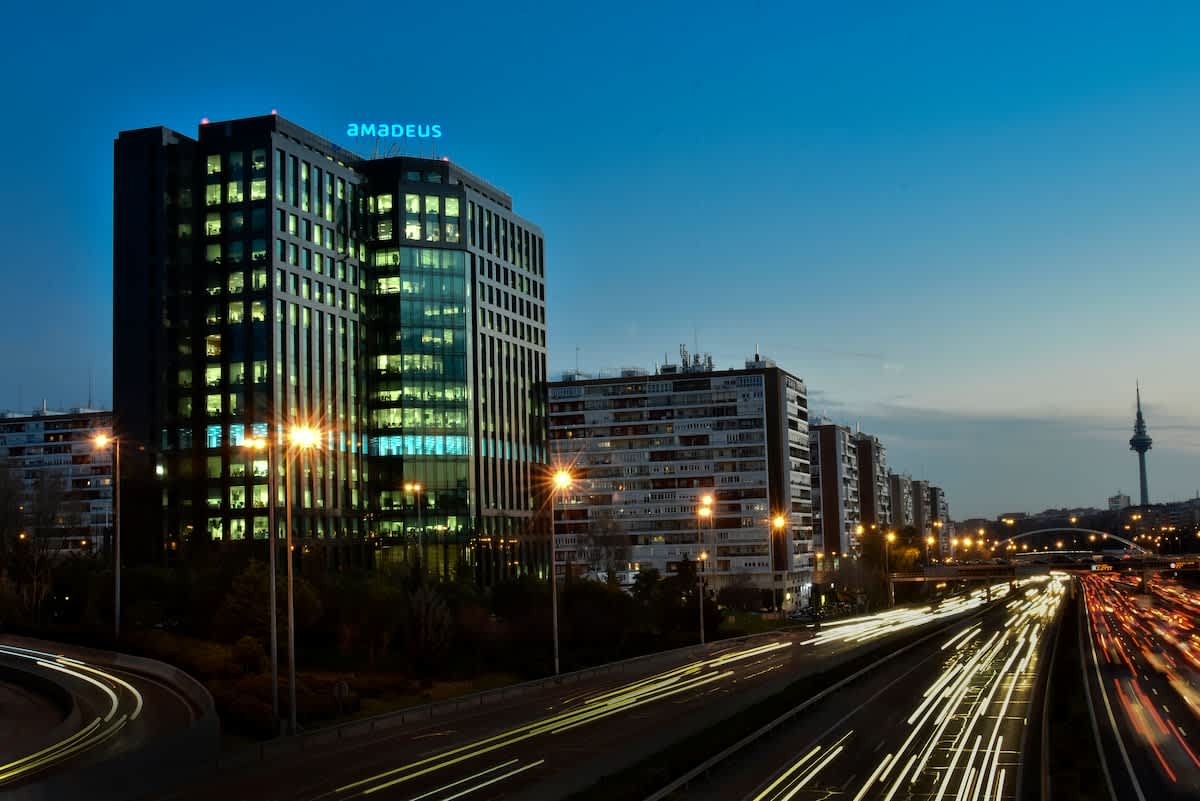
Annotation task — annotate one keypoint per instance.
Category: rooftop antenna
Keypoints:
(576, 360)
(90, 386)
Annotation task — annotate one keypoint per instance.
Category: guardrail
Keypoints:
(389, 720)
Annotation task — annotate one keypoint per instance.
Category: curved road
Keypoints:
(118, 711)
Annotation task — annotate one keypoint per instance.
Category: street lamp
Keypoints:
(301, 438)
(414, 488)
(703, 513)
(264, 444)
(102, 441)
(888, 540)
(778, 524)
(928, 544)
(562, 483)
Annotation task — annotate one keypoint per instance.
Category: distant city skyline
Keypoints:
(969, 228)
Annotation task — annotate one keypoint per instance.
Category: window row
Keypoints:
(316, 290)
(314, 261)
(234, 252)
(501, 237)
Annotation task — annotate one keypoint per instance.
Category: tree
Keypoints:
(427, 629)
(604, 544)
(246, 607)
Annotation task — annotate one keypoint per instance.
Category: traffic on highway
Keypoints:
(1144, 676)
(943, 720)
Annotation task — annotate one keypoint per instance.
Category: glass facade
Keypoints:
(305, 285)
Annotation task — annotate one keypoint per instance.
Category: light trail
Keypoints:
(949, 751)
(1145, 638)
(118, 693)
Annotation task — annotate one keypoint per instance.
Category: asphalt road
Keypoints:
(501, 750)
(1142, 658)
(119, 711)
(943, 720)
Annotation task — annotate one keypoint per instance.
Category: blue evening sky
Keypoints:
(967, 225)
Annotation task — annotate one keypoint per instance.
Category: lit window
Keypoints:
(212, 315)
(258, 279)
(237, 467)
(214, 164)
(258, 189)
(236, 312)
(237, 497)
(235, 192)
(212, 436)
(293, 222)
(260, 496)
(212, 376)
(215, 530)
(212, 195)
(383, 203)
(212, 405)
(258, 250)
(258, 162)
(236, 281)
(212, 345)
(212, 224)
(258, 468)
(383, 229)
(259, 370)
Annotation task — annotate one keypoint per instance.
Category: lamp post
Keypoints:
(562, 483)
(264, 444)
(415, 488)
(703, 513)
(888, 540)
(299, 439)
(928, 544)
(701, 558)
(778, 524)
(102, 441)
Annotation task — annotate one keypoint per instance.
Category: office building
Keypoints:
(1118, 502)
(939, 512)
(837, 510)
(901, 497)
(874, 492)
(922, 519)
(64, 486)
(267, 279)
(647, 449)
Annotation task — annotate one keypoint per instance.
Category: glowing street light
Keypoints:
(703, 512)
(103, 441)
(415, 488)
(562, 480)
(301, 439)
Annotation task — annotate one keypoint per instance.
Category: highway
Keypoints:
(118, 710)
(943, 720)
(1143, 667)
(500, 750)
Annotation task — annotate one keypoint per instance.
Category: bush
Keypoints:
(248, 652)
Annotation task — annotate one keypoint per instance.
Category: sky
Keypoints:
(969, 229)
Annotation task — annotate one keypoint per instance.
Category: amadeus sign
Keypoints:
(395, 129)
